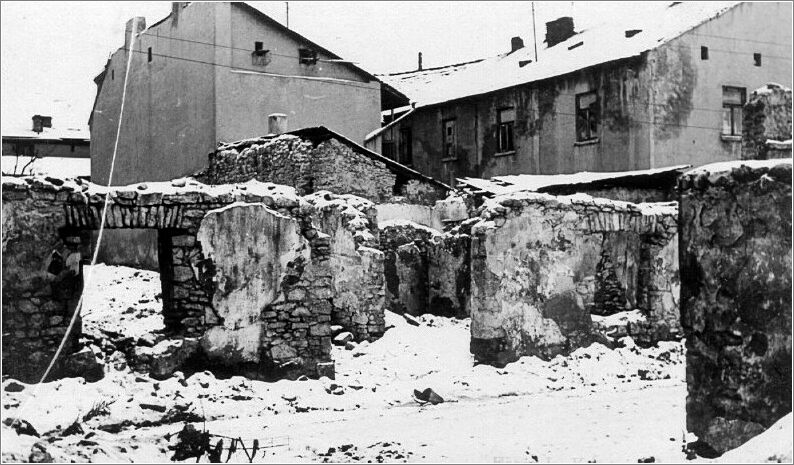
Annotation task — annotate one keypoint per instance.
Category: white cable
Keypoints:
(87, 279)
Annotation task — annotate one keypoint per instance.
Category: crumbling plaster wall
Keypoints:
(540, 265)
(735, 251)
(223, 285)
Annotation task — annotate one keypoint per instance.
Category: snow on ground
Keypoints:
(596, 404)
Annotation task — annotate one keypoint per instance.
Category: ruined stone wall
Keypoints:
(766, 123)
(252, 273)
(540, 265)
(448, 273)
(736, 298)
(356, 263)
(42, 275)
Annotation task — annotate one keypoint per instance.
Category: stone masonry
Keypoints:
(540, 265)
(766, 124)
(298, 292)
(736, 298)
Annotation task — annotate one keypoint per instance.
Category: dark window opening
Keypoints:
(504, 135)
(307, 56)
(587, 109)
(112, 74)
(149, 54)
(387, 146)
(450, 139)
(757, 59)
(258, 46)
(733, 99)
(704, 53)
(406, 147)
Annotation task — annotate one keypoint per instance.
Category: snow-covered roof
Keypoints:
(601, 44)
(499, 185)
(48, 134)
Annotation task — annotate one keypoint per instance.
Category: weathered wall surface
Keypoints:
(405, 246)
(766, 117)
(356, 264)
(541, 265)
(42, 276)
(451, 210)
(329, 165)
(736, 298)
(448, 273)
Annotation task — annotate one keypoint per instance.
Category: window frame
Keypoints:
(445, 145)
(732, 110)
(586, 117)
(508, 128)
(307, 56)
(757, 59)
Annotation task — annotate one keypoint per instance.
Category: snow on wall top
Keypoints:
(500, 185)
(601, 44)
(728, 166)
(70, 167)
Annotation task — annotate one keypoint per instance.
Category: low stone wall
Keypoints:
(254, 272)
(540, 265)
(329, 165)
(736, 298)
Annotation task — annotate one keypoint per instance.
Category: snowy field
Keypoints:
(597, 404)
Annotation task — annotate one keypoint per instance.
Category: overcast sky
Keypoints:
(51, 51)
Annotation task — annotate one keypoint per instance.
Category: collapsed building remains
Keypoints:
(541, 265)
(247, 272)
(735, 251)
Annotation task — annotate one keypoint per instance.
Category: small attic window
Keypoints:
(307, 56)
(149, 55)
(260, 56)
(704, 53)
(578, 44)
(112, 74)
(632, 32)
(757, 59)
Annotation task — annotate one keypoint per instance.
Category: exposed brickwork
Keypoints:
(736, 298)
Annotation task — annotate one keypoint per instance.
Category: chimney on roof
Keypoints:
(134, 26)
(41, 122)
(176, 7)
(516, 43)
(419, 58)
(277, 123)
(559, 30)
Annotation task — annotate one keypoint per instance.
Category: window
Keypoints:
(149, 55)
(504, 135)
(260, 56)
(586, 116)
(704, 53)
(757, 59)
(450, 140)
(733, 99)
(405, 147)
(112, 74)
(307, 56)
(388, 144)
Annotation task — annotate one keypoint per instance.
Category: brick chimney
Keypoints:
(277, 123)
(559, 30)
(41, 122)
(134, 26)
(176, 8)
(419, 59)
(516, 43)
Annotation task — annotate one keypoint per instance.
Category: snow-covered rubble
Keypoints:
(126, 415)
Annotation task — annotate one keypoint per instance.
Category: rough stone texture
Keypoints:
(736, 298)
(246, 304)
(767, 123)
(328, 165)
(40, 291)
(405, 245)
(448, 273)
(540, 265)
(358, 283)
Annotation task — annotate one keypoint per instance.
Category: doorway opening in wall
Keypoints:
(124, 297)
